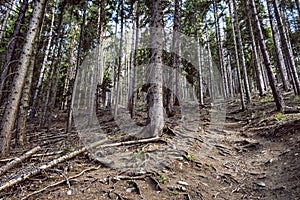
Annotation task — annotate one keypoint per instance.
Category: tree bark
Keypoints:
(155, 122)
(287, 46)
(242, 55)
(12, 45)
(239, 77)
(11, 110)
(275, 91)
(44, 64)
(278, 52)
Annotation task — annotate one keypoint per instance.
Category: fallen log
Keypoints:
(38, 170)
(18, 160)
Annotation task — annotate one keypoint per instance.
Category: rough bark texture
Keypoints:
(17, 161)
(12, 45)
(11, 110)
(155, 107)
(275, 91)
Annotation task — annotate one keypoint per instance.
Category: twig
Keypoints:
(18, 160)
(60, 182)
(132, 142)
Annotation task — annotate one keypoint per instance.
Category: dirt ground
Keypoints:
(256, 155)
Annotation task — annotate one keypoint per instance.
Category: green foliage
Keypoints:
(161, 178)
(279, 117)
(67, 150)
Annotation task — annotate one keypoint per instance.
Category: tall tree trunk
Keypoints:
(275, 91)
(12, 45)
(239, 77)
(200, 58)
(242, 55)
(256, 58)
(11, 110)
(78, 62)
(278, 51)
(220, 51)
(132, 65)
(70, 68)
(44, 64)
(155, 106)
(117, 100)
(287, 47)
(211, 69)
(173, 71)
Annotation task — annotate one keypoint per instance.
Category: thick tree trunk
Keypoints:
(12, 45)
(275, 91)
(155, 106)
(11, 110)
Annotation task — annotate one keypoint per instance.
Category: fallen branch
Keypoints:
(132, 142)
(38, 170)
(60, 182)
(18, 160)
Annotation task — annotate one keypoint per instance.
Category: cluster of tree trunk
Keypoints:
(45, 43)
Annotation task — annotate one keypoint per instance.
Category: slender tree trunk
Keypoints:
(239, 77)
(287, 46)
(5, 18)
(11, 46)
(275, 91)
(117, 100)
(173, 71)
(230, 79)
(242, 55)
(44, 65)
(220, 51)
(70, 69)
(11, 110)
(256, 59)
(78, 62)
(211, 70)
(200, 58)
(278, 51)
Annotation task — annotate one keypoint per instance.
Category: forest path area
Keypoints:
(254, 156)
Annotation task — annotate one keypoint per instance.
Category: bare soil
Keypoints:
(256, 156)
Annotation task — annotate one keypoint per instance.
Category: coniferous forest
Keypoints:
(139, 99)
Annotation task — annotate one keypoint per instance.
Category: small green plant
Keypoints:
(190, 157)
(174, 192)
(140, 155)
(279, 117)
(67, 150)
(161, 178)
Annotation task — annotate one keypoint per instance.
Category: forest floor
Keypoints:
(256, 156)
